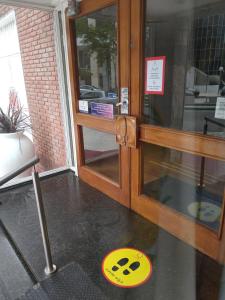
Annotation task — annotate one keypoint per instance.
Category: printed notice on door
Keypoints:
(220, 108)
(155, 75)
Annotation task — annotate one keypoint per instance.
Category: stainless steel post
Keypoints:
(50, 267)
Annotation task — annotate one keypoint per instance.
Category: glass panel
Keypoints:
(101, 153)
(96, 38)
(173, 178)
(190, 36)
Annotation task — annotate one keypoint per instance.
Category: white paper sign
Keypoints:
(155, 75)
(83, 106)
(220, 108)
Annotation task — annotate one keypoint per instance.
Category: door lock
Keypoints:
(124, 101)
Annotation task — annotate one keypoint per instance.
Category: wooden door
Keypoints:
(177, 172)
(98, 46)
(178, 169)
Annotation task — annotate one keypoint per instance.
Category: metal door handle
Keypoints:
(121, 103)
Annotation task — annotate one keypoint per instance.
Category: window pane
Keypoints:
(101, 153)
(190, 36)
(96, 38)
(173, 178)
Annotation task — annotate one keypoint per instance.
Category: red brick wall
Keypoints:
(36, 37)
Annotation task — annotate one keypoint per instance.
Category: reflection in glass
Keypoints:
(173, 178)
(101, 153)
(96, 38)
(191, 34)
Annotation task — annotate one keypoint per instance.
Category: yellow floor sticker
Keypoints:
(127, 267)
(205, 211)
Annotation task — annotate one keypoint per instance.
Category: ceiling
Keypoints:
(48, 4)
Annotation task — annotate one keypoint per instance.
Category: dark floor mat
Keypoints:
(69, 283)
(12, 271)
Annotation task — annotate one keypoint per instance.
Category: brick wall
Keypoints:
(36, 37)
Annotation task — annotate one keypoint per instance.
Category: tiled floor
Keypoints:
(84, 225)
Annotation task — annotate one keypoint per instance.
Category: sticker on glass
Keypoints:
(102, 110)
(155, 75)
(83, 106)
(220, 108)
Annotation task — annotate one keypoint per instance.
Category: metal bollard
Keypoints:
(50, 267)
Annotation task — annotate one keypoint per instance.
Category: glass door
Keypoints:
(99, 70)
(178, 94)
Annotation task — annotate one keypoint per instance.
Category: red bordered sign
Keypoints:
(155, 75)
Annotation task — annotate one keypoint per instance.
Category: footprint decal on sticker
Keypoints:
(134, 266)
(205, 211)
(126, 267)
(122, 262)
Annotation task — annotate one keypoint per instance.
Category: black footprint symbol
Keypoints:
(121, 262)
(134, 266)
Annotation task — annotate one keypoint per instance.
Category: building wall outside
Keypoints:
(36, 37)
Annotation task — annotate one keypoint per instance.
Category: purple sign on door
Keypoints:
(102, 109)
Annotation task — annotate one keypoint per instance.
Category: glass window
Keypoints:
(187, 183)
(96, 38)
(101, 153)
(190, 36)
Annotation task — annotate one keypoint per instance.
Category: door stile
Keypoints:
(136, 86)
(74, 87)
(124, 38)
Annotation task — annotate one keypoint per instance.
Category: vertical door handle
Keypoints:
(126, 131)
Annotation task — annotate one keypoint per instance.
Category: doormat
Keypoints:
(69, 283)
(199, 204)
(127, 267)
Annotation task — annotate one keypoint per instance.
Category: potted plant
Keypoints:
(15, 147)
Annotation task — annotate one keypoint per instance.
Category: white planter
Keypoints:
(15, 150)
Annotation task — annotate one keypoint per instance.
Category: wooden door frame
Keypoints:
(172, 221)
(118, 191)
